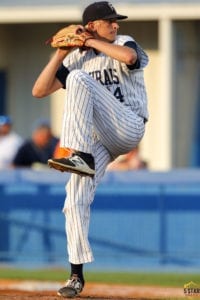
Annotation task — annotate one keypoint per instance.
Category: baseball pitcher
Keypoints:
(104, 115)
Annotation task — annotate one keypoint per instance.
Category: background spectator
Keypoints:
(36, 150)
(129, 161)
(9, 142)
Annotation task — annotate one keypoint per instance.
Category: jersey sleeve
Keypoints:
(133, 45)
(62, 74)
(143, 57)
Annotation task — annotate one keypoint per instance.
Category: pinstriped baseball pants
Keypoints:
(95, 122)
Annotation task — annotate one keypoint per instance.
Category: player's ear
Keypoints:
(90, 27)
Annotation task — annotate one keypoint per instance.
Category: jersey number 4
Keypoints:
(118, 94)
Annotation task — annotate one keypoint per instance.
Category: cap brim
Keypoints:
(115, 16)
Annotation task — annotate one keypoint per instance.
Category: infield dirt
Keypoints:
(30, 290)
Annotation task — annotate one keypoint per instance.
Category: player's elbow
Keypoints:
(131, 59)
(130, 56)
(38, 93)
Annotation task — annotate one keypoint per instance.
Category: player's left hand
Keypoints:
(70, 37)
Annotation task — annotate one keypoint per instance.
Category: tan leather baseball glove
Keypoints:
(70, 36)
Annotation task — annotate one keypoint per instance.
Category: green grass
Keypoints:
(157, 279)
(139, 278)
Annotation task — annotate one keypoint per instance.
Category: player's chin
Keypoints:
(111, 39)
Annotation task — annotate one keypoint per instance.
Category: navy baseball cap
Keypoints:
(102, 10)
(5, 120)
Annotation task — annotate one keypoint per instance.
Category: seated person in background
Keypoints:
(129, 161)
(36, 150)
(9, 142)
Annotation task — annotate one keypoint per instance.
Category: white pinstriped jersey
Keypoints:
(125, 84)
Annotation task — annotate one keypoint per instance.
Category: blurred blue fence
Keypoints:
(139, 220)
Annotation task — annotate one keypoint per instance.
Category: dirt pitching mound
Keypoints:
(36, 290)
